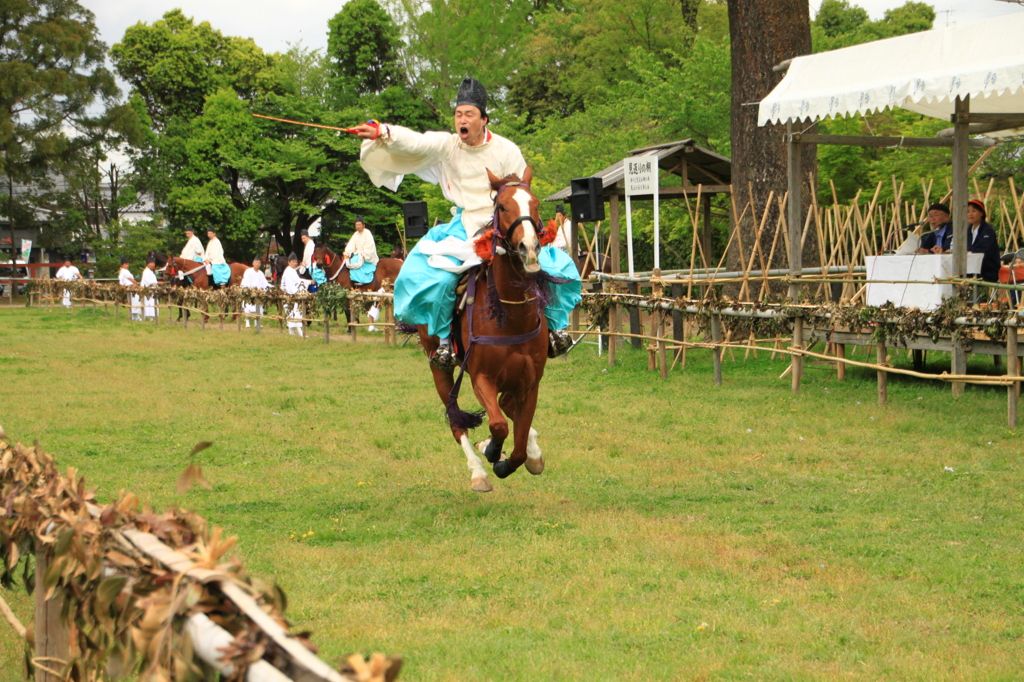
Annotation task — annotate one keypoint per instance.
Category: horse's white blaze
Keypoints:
(532, 448)
(476, 467)
(530, 240)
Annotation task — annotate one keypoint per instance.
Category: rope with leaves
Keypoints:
(956, 318)
(127, 609)
(329, 300)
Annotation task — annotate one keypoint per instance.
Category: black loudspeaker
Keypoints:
(415, 219)
(587, 199)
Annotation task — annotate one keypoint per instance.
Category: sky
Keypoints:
(274, 24)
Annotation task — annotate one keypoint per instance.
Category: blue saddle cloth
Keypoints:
(221, 273)
(318, 275)
(426, 295)
(360, 271)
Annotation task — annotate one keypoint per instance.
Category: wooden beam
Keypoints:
(869, 141)
(991, 124)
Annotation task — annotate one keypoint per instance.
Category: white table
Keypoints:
(925, 268)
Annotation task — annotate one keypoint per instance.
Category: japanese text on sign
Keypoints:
(641, 175)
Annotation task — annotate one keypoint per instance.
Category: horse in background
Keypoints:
(387, 269)
(190, 273)
(504, 337)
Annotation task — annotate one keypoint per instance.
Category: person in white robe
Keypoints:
(149, 280)
(360, 254)
(193, 249)
(459, 163)
(254, 279)
(217, 269)
(68, 273)
(126, 279)
(291, 283)
(563, 239)
(308, 249)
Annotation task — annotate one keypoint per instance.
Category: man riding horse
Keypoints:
(459, 162)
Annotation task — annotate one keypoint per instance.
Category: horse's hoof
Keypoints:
(482, 485)
(535, 466)
(482, 445)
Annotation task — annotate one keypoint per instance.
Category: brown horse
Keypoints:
(505, 336)
(387, 269)
(194, 274)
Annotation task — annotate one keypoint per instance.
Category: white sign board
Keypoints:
(640, 175)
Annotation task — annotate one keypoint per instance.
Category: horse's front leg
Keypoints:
(522, 437)
(487, 394)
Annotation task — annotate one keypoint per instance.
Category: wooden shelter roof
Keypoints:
(694, 164)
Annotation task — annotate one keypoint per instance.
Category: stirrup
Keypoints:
(444, 358)
(559, 342)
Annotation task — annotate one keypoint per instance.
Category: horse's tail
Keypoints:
(459, 418)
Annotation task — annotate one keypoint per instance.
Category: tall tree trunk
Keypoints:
(764, 33)
(689, 12)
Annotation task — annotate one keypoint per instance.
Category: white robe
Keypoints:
(254, 279)
(442, 158)
(363, 244)
(125, 279)
(214, 255)
(563, 237)
(291, 283)
(68, 273)
(307, 256)
(149, 280)
(193, 250)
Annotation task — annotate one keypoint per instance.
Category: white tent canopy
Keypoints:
(923, 72)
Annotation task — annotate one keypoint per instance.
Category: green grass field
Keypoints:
(679, 532)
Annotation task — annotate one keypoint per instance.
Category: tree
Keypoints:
(174, 64)
(52, 74)
(363, 46)
(763, 33)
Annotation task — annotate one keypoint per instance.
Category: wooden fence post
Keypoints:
(883, 376)
(634, 316)
(53, 633)
(352, 320)
(678, 325)
(958, 365)
(1012, 369)
(797, 362)
(327, 329)
(613, 323)
(840, 349)
(716, 352)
